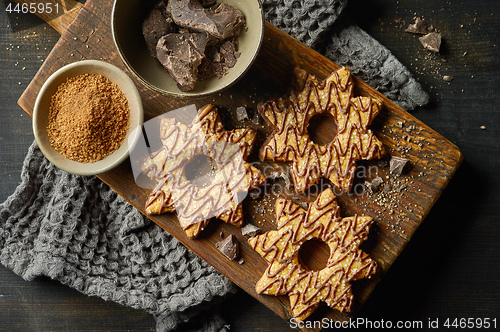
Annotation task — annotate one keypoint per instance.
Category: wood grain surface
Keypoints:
(435, 239)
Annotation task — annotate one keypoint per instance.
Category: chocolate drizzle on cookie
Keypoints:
(290, 140)
(307, 288)
(231, 179)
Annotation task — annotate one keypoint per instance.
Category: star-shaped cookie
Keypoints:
(307, 288)
(290, 141)
(227, 183)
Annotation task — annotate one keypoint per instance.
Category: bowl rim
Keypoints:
(181, 94)
(130, 140)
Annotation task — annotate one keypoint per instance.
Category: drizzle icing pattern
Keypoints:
(233, 177)
(290, 140)
(307, 288)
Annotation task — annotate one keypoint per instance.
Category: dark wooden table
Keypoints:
(450, 269)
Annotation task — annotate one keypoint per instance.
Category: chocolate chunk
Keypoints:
(241, 113)
(256, 119)
(420, 27)
(155, 26)
(208, 3)
(181, 54)
(259, 209)
(376, 183)
(374, 186)
(254, 194)
(227, 51)
(397, 164)
(382, 163)
(229, 247)
(221, 22)
(431, 41)
(219, 58)
(250, 230)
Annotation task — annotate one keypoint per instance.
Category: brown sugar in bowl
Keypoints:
(42, 109)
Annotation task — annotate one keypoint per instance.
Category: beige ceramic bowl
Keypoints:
(126, 21)
(41, 116)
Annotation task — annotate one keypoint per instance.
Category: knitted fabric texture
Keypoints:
(320, 25)
(79, 231)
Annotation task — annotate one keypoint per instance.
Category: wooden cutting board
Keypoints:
(398, 210)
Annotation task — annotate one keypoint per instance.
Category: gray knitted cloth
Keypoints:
(79, 231)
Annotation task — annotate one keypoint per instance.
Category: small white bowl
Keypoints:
(126, 20)
(41, 116)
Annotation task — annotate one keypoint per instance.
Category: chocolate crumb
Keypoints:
(397, 165)
(254, 194)
(383, 163)
(260, 209)
(419, 27)
(250, 230)
(241, 113)
(387, 188)
(256, 119)
(431, 41)
(229, 247)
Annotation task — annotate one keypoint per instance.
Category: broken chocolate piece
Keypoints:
(256, 119)
(181, 54)
(259, 209)
(154, 27)
(420, 27)
(229, 247)
(431, 41)
(241, 113)
(254, 194)
(221, 22)
(375, 184)
(250, 230)
(397, 164)
(208, 3)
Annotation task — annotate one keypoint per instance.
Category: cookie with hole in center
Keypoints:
(290, 140)
(286, 274)
(219, 191)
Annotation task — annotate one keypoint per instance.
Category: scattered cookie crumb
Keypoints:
(483, 127)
